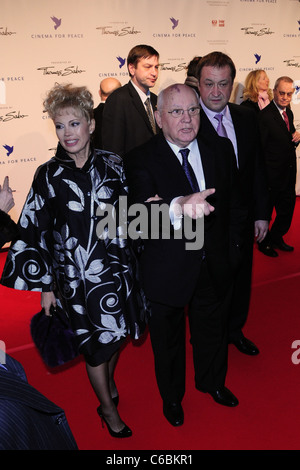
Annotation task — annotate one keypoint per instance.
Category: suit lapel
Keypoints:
(240, 129)
(278, 118)
(137, 102)
(208, 162)
(168, 164)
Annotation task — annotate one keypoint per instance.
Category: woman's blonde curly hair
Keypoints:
(68, 96)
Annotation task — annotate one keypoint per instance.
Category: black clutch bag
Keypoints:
(53, 337)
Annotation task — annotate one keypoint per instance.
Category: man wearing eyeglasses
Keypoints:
(195, 179)
(279, 141)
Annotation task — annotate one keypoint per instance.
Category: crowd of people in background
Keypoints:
(231, 165)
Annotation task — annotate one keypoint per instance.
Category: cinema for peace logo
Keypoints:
(9, 149)
(174, 29)
(56, 30)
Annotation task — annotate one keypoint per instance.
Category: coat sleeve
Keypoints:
(29, 262)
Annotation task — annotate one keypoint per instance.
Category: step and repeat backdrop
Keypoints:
(85, 41)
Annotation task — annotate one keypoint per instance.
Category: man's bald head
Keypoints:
(107, 86)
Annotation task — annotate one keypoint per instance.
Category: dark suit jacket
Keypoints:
(251, 168)
(251, 104)
(28, 420)
(125, 122)
(97, 136)
(278, 149)
(169, 272)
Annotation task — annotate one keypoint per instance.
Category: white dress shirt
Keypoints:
(142, 95)
(194, 159)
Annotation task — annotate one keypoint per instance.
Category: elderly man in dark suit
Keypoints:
(28, 420)
(279, 141)
(128, 119)
(238, 124)
(173, 276)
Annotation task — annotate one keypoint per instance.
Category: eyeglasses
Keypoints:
(289, 95)
(176, 113)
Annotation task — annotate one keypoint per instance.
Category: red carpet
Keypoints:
(267, 385)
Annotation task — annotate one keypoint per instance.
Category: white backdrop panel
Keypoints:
(85, 41)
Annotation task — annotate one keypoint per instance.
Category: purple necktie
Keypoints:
(220, 129)
(189, 170)
(286, 119)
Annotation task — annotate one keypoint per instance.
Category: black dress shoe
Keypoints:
(174, 413)
(281, 245)
(267, 250)
(225, 397)
(246, 346)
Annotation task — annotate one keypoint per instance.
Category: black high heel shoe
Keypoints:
(125, 432)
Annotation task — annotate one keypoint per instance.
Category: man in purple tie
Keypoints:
(193, 178)
(238, 125)
(279, 141)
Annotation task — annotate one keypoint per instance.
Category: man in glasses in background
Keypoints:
(195, 179)
(279, 142)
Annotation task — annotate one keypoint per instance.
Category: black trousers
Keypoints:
(283, 201)
(240, 302)
(284, 204)
(208, 316)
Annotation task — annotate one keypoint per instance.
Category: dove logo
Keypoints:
(57, 22)
(8, 149)
(174, 22)
(257, 58)
(121, 61)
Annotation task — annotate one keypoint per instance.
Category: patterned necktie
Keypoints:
(150, 114)
(286, 119)
(189, 170)
(220, 129)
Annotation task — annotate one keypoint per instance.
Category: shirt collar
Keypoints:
(211, 114)
(176, 149)
(141, 94)
(279, 109)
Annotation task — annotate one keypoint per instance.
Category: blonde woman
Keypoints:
(59, 246)
(257, 94)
